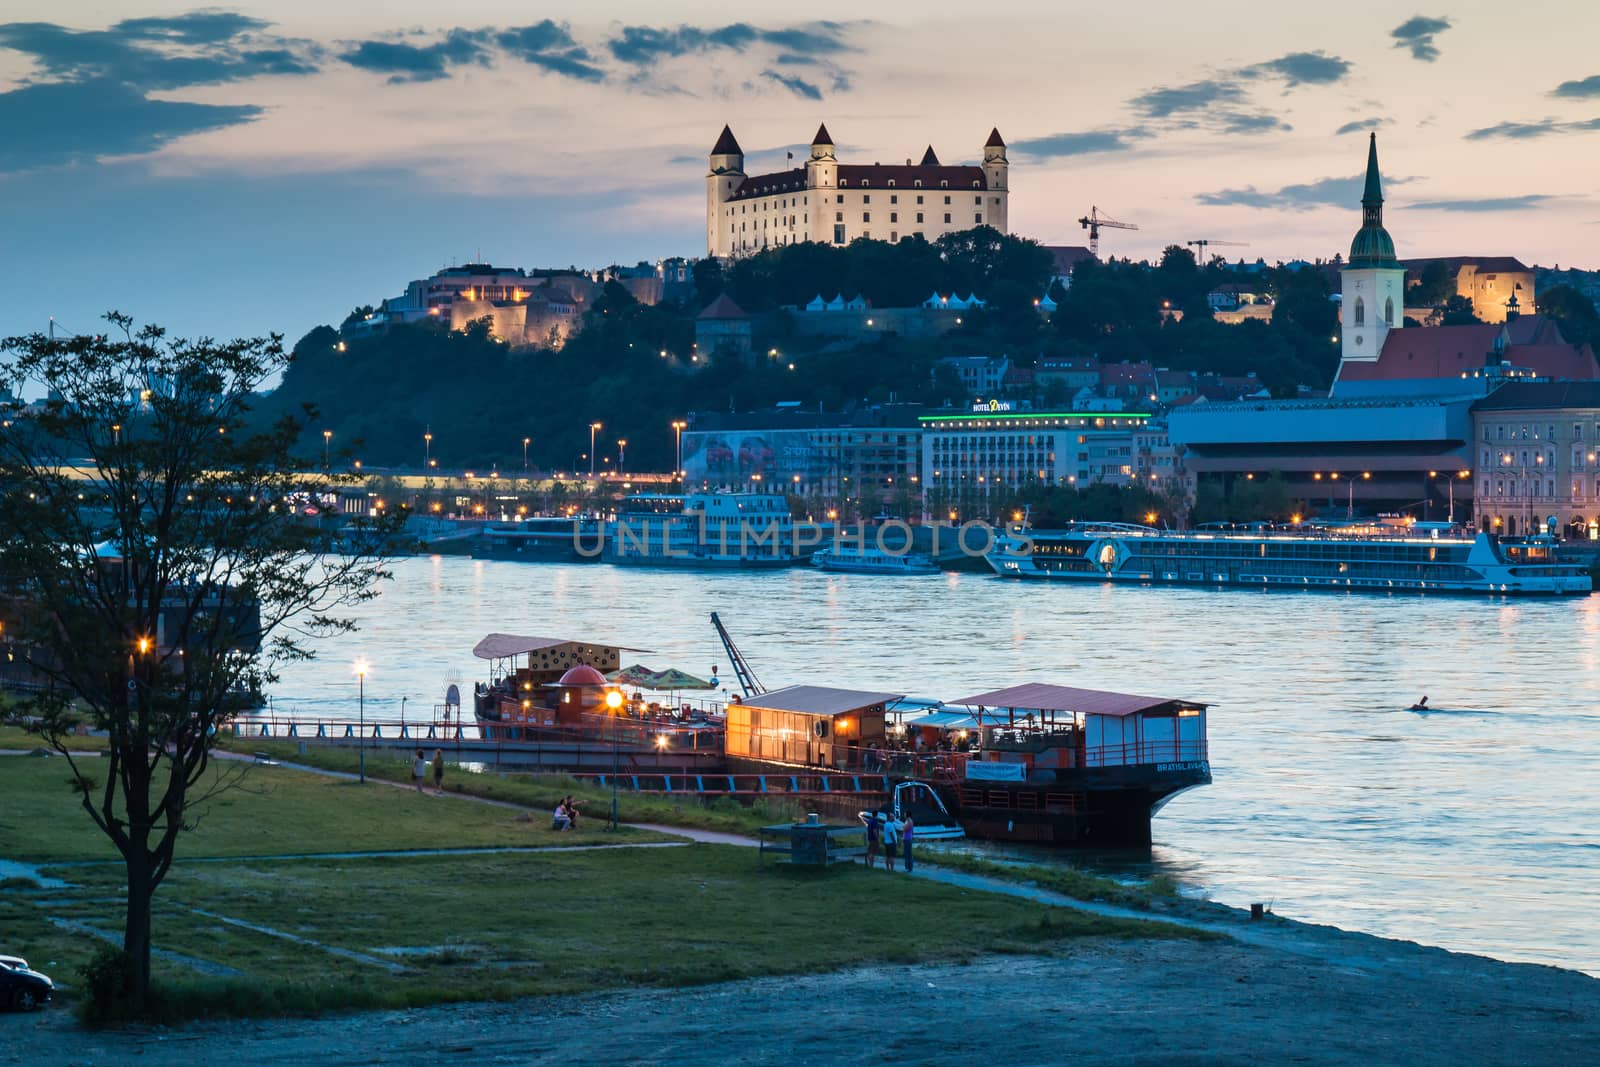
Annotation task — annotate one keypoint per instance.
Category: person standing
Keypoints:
(908, 831)
(874, 837)
(419, 770)
(438, 770)
(891, 840)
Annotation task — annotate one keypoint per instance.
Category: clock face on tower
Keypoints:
(1359, 338)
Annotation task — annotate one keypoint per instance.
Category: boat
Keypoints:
(570, 539)
(921, 801)
(1056, 764)
(706, 530)
(868, 560)
(1364, 558)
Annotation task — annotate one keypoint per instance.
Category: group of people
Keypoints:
(891, 835)
(566, 814)
(420, 767)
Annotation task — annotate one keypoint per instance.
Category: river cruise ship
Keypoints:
(1371, 561)
(850, 559)
(706, 530)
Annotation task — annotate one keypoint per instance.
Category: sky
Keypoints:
(267, 167)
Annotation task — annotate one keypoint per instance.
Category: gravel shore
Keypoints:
(1285, 992)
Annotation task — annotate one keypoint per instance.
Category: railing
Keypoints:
(661, 735)
(745, 785)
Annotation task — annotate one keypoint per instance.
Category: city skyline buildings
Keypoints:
(271, 168)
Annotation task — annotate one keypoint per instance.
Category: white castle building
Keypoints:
(834, 203)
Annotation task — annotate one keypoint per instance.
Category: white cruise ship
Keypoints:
(710, 529)
(1401, 562)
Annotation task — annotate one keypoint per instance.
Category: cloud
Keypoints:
(1583, 89)
(1491, 203)
(1303, 68)
(1417, 33)
(154, 54)
(798, 86)
(1362, 125)
(645, 45)
(71, 122)
(405, 62)
(1324, 192)
(1522, 131)
(1250, 122)
(1081, 142)
(1166, 102)
(550, 45)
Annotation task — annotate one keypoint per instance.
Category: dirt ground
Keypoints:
(1291, 993)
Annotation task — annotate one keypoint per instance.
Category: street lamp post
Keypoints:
(526, 441)
(327, 439)
(678, 426)
(622, 454)
(593, 426)
(614, 705)
(427, 449)
(361, 738)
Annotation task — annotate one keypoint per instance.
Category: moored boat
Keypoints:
(853, 560)
(1323, 560)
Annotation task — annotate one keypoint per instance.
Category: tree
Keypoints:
(157, 578)
(1580, 322)
(1458, 312)
(1435, 284)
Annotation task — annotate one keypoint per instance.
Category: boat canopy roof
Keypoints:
(504, 646)
(1041, 696)
(943, 720)
(819, 700)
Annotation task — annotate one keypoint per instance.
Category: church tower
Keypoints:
(996, 170)
(724, 179)
(1373, 283)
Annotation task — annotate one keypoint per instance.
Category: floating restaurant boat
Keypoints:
(1048, 763)
(1326, 560)
(705, 530)
(855, 560)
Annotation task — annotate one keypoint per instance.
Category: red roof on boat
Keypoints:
(1041, 696)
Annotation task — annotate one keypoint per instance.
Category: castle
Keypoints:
(834, 203)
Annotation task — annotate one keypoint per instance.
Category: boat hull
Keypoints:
(1091, 807)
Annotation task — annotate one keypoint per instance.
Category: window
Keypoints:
(866, 216)
(838, 216)
(1388, 312)
(867, 197)
(1499, 433)
(893, 237)
(919, 216)
(1577, 431)
(947, 199)
(1361, 312)
(892, 198)
(894, 216)
(838, 198)
(919, 197)
(977, 199)
(917, 185)
(978, 218)
(945, 184)
(891, 185)
(947, 217)
(838, 234)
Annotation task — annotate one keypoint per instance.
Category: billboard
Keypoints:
(733, 457)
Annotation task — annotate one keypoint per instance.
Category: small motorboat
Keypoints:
(920, 801)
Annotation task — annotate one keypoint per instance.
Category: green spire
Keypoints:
(1373, 193)
(1372, 246)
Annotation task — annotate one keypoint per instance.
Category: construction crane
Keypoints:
(1094, 221)
(741, 669)
(1205, 242)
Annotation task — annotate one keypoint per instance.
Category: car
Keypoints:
(22, 987)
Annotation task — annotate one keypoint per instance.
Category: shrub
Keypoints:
(105, 981)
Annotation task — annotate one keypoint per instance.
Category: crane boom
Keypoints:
(1094, 222)
(1202, 243)
(741, 669)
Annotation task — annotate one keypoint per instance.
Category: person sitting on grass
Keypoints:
(563, 817)
(572, 810)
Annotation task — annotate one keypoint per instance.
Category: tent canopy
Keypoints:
(1039, 696)
(504, 646)
(819, 700)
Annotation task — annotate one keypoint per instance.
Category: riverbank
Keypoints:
(1092, 1002)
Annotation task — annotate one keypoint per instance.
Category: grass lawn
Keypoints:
(18, 739)
(272, 811)
(500, 926)
(542, 791)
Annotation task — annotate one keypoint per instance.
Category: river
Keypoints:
(1474, 827)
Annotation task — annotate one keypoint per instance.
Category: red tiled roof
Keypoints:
(822, 136)
(1068, 256)
(929, 159)
(878, 176)
(994, 140)
(1448, 351)
(1534, 330)
(723, 307)
(1485, 264)
(1555, 361)
(783, 181)
(1126, 372)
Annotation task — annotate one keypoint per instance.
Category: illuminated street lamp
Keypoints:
(327, 439)
(622, 454)
(614, 707)
(678, 426)
(361, 738)
(427, 449)
(526, 441)
(593, 427)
